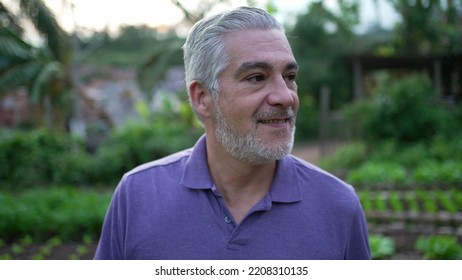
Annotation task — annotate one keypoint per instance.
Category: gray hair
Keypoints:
(205, 55)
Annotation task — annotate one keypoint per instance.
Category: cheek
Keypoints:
(239, 104)
(296, 102)
(238, 113)
(235, 112)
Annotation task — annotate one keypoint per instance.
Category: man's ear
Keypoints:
(200, 98)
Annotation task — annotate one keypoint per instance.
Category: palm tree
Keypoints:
(168, 52)
(45, 70)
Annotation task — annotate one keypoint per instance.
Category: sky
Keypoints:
(89, 15)
(101, 14)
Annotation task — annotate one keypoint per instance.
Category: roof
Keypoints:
(371, 62)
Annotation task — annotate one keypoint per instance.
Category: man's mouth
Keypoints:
(275, 117)
(274, 121)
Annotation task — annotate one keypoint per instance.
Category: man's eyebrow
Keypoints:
(292, 66)
(246, 66)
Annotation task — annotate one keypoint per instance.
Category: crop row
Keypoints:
(386, 186)
(417, 201)
(65, 212)
(52, 249)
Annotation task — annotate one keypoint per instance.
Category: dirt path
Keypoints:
(308, 152)
(311, 152)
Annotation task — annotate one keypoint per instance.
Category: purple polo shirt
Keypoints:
(170, 209)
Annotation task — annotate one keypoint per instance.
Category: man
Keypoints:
(238, 194)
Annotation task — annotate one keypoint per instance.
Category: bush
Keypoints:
(439, 247)
(346, 157)
(432, 171)
(307, 120)
(68, 213)
(43, 157)
(434, 162)
(382, 247)
(149, 139)
(447, 147)
(35, 157)
(405, 111)
(378, 173)
(355, 116)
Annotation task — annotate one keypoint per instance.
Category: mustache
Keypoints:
(275, 113)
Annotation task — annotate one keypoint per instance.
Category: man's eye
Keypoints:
(256, 78)
(291, 77)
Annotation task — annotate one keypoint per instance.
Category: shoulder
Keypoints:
(310, 171)
(317, 182)
(168, 163)
(156, 179)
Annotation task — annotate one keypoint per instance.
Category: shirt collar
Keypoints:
(196, 173)
(286, 184)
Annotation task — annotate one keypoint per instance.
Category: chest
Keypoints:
(202, 229)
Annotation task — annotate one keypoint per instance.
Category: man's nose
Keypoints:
(281, 94)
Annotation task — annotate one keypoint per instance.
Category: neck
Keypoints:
(241, 184)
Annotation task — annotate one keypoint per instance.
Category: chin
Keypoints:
(279, 136)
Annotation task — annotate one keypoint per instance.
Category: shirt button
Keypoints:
(227, 219)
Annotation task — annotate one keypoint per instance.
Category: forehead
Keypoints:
(269, 46)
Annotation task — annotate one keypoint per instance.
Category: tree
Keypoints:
(44, 70)
(320, 39)
(428, 26)
(202, 8)
(168, 53)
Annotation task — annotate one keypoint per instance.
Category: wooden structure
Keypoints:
(445, 71)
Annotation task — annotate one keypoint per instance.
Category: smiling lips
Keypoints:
(276, 117)
(275, 121)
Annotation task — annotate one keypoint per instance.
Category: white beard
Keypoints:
(248, 147)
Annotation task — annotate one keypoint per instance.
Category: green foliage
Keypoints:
(24, 65)
(315, 39)
(432, 171)
(365, 199)
(404, 111)
(378, 173)
(396, 202)
(430, 205)
(44, 71)
(382, 247)
(410, 200)
(380, 202)
(65, 212)
(41, 157)
(164, 55)
(346, 157)
(165, 132)
(436, 161)
(354, 116)
(34, 158)
(53, 248)
(439, 247)
(12, 46)
(46, 249)
(132, 48)
(307, 119)
(428, 27)
(447, 202)
(44, 21)
(448, 147)
(457, 198)
(418, 200)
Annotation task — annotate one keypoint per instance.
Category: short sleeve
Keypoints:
(111, 243)
(358, 243)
